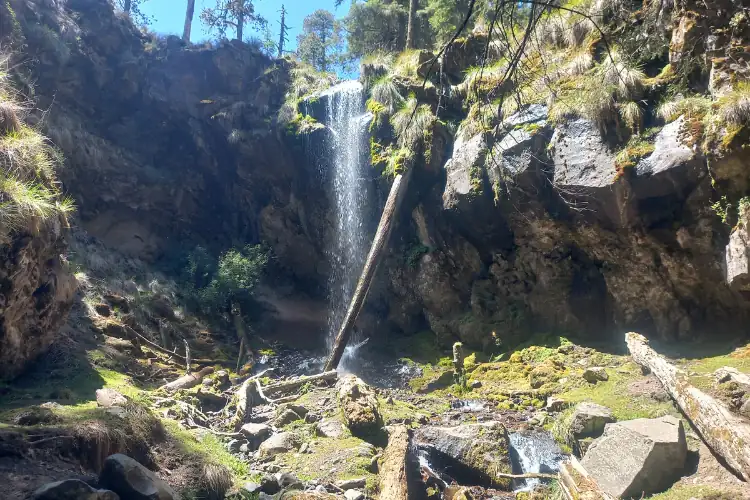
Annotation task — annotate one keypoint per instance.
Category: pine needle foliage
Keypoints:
(385, 91)
(734, 107)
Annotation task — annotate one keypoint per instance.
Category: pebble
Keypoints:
(354, 495)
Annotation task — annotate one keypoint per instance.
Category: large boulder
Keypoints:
(464, 173)
(133, 481)
(72, 489)
(637, 457)
(584, 169)
(673, 168)
(359, 406)
(108, 398)
(475, 451)
(278, 443)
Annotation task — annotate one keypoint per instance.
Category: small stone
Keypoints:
(595, 374)
(286, 417)
(475, 384)
(278, 443)
(320, 489)
(374, 467)
(311, 418)
(588, 420)
(352, 484)
(269, 484)
(245, 448)
(289, 481)
(235, 446)
(208, 382)
(330, 428)
(304, 447)
(298, 409)
(354, 495)
(555, 405)
(566, 348)
(251, 487)
(256, 434)
(222, 377)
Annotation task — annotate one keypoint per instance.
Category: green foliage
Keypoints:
(385, 92)
(232, 15)
(215, 284)
(734, 107)
(376, 25)
(414, 254)
(321, 42)
(626, 159)
(306, 81)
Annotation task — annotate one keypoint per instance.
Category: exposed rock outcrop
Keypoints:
(478, 451)
(72, 489)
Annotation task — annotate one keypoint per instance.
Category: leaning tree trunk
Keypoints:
(239, 326)
(410, 42)
(725, 433)
(188, 21)
(377, 250)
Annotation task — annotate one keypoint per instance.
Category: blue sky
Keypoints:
(169, 15)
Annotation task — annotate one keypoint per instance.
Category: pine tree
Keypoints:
(320, 43)
(232, 14)
(283, 30)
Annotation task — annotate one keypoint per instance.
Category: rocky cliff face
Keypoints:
(502, 234)
(168, 145)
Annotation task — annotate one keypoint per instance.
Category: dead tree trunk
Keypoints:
(725, 433)
(410, 41)
(189, 380)
(188, 20)
(290, 385)
(377, 250)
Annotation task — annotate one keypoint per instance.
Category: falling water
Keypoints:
(349, 179)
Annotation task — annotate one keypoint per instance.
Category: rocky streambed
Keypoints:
(509, 430)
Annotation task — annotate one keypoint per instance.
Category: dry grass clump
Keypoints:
(734, 107)
(306, 81)
(29, 192)
(385, 91)
(412, 122)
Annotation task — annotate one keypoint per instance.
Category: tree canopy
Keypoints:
(321, 42)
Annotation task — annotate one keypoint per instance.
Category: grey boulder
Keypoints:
(133, 481)
(588, 420)
(637, 457)
(278, 443)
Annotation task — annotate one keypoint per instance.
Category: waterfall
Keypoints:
(350, 176)
(534, 452)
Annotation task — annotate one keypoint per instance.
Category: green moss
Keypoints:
(627, 158)
(414, 254)
(346, 456)
(399, 411)
(682, 491)
(614, 395)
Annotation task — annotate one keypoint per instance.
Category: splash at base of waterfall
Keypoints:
(534, 452)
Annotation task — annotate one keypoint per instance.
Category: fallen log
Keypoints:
(394, 483)
(290, 385)
(725, 433)
(156, 347)
(526, 475)
(188, 381)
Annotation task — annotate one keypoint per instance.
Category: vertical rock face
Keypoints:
(36, 293)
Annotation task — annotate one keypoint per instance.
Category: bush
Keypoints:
(215, 284)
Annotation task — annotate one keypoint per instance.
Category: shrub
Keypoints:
(412, 122)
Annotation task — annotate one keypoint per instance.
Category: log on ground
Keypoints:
(727, 434)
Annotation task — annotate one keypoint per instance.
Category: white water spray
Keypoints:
(347, 121)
